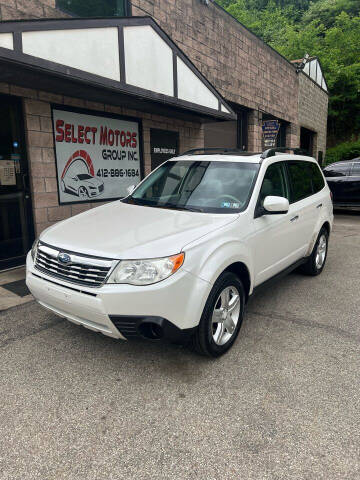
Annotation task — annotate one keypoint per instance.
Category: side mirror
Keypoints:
(275, 205)
(130, 189)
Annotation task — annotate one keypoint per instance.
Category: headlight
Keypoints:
(146, 272)
(34, 249)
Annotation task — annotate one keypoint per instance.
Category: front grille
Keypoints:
(81, 270)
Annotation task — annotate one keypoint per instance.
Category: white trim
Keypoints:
(93, 50)
(192, 89)
(7, 41)
(148, 60)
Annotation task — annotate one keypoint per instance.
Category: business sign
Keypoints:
(164, 144)
(270, 130)
(97, 156)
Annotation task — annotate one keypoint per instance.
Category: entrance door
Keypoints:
(16, 224)
(307, 140)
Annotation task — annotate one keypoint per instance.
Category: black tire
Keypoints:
(203, 341)
(310, 267)
(84, 189)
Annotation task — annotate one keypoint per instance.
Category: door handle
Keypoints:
(319, 206)
(294, 218)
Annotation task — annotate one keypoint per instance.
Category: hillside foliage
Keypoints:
(328, 29)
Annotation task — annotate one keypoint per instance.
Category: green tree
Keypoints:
(326, 11)
(329, 29)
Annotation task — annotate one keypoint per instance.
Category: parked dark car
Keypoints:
(344, 182)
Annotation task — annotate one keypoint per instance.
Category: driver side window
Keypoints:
(274, 183)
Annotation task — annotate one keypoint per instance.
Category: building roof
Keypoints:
(312, 69)
(131, 60)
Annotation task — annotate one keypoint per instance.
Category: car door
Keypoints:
(337, 177)
(272, 241)
(353, 188)
(72, 183)
(305, 205)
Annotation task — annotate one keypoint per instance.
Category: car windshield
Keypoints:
(211, 187)
(84, 176)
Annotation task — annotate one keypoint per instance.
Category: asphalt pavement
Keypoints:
(284, 403)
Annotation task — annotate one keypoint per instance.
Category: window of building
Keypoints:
(307, 138)
(281, 138)
(95, 8)
(300, 180)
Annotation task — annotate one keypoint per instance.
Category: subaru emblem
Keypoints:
(64, 258)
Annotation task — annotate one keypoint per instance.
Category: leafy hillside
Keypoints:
(329, 29)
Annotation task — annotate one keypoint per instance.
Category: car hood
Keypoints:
(93, 181)
(120, 230)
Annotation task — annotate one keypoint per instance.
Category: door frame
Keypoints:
(27, 213)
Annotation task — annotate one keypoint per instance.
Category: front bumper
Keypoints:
(172, 307)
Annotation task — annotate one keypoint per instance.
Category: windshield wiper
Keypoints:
(190, 209)
(170, 206)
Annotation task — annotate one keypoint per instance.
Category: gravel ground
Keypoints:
(282, 404)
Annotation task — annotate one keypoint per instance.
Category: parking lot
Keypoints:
(284, 403)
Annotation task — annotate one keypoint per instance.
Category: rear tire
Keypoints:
(225, 303)
(316, 262)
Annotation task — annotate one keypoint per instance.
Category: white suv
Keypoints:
(179, 257)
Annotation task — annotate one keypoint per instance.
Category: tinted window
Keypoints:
(317, 178)
(84, 176)
(300, 180)
(337, 170)
(356, 170)
(274, 182)
(94, 8)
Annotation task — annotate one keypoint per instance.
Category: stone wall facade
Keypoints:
(28, 9)
(313, 108)
(40, 147)
(241, 67)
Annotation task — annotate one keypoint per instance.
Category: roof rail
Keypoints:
(210, 151)
(271, 152)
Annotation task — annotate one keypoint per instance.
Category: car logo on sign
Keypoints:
(64, 258)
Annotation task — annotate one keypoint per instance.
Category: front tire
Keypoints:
(83, 193)
(316, 262)
(222, 317)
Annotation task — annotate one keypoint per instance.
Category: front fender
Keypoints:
(207, 259)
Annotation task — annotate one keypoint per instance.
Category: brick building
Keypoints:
(175, 75)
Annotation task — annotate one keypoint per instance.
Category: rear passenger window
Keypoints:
(317, 179)
(300, 180)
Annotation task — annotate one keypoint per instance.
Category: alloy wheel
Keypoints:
(225, 315)
(321, 252)
(83, 192)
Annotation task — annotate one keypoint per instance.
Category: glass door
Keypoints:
(16, 222)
